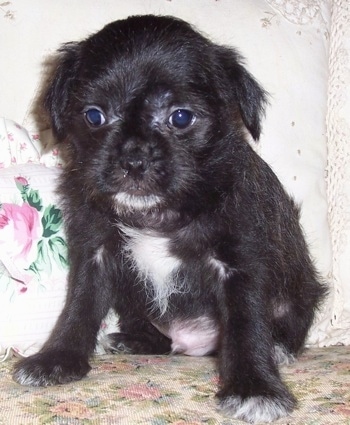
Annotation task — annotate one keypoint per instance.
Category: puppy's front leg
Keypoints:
(64, 357)
(251, 388)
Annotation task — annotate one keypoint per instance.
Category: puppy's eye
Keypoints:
(94, 117)
(181, 118)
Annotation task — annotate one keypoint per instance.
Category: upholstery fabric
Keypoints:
(161, 390)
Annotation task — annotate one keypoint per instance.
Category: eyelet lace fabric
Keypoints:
(338, 170)
(296, 11)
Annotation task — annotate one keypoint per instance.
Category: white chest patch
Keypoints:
(153, 262)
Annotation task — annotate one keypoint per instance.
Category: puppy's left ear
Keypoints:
(60, 88)
(246, 91)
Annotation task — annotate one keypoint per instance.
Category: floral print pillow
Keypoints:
(18, 146)
(33, 257)
(34, 230)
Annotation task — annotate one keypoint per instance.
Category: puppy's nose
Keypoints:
(134, 166)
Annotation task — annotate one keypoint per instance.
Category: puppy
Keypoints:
(172, 219)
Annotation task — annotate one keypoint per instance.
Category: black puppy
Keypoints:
(172, 219)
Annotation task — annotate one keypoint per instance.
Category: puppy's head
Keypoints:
(149, 108)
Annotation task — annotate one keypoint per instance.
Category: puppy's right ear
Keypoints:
(60, 87)
(243, 89)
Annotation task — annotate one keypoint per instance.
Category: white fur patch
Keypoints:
(108, 345)
(138, 203)
(220, 267)
(280, 309)
(255, 409)
(197, 337)
(35, 379)
(283, 356)
(98, 257)
(24, 378)
(153, 261)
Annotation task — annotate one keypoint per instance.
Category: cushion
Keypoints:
(33, 257)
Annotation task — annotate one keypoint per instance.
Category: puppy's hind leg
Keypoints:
(294, 314)
(137, 336)
(251, 387)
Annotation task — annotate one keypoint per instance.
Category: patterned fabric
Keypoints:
(33, 257)
(160, 390)
(19, 146)
(299, 11)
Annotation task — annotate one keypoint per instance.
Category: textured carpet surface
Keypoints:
(160, 390)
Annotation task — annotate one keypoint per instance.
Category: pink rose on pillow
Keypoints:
(20, 229)
(21, 181)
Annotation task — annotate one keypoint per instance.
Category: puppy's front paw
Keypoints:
(51, 368)
(256, 409)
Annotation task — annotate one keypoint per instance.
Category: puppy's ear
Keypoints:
(246, 91)
(60, 87)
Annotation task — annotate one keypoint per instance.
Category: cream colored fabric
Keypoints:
(338, 172)
(286, 44)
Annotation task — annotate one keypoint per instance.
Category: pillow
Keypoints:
(18, 146)
(33, 257)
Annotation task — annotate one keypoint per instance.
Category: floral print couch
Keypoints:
(300, 52)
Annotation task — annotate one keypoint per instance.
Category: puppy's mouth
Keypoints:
(137, 194)
(136, 201)
(140, 182)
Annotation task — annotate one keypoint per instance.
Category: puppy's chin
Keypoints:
(127, 203)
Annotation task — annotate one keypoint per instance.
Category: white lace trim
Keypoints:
(338, 172)
(298, 11)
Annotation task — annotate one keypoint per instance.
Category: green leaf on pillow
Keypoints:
(42, 261)
(50, 251)
(31, 196)
(58, 249)
(51, 221)
(34, 200)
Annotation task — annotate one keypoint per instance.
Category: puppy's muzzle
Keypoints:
(138, 188)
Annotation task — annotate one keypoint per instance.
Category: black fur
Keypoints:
(227, 223)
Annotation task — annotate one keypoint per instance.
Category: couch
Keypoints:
(300, 52)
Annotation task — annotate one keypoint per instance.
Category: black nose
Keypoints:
(134, 166)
